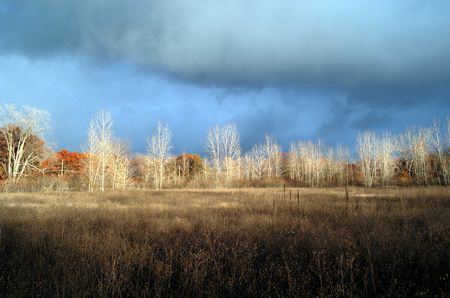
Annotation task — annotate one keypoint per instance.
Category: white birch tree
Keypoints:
(386, 157)
(214, 147)
(159, 146)
(414, 150)
(21, 129)
(343, 159)
(273, 155)
(99, 148)
(440, 146)
(367, 151)
(120, 165)
(223, 146)
(257, 159)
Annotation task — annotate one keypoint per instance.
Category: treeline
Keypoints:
(419, 156)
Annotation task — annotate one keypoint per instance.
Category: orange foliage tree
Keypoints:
(64, 162)
(189, 165)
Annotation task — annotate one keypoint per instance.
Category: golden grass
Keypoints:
(242, 242)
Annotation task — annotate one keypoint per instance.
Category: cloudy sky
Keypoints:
(294, 69)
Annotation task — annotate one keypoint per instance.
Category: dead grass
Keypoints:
(246, 242)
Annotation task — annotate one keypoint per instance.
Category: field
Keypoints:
(252, 242)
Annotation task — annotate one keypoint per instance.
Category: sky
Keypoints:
(295, 69)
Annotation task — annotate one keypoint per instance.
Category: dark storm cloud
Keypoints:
(289, 68)
(245, 42)
(377, 108)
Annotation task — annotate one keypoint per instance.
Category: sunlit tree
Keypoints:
(159, 146)
(99, 149)
(223, 146)
(367, 147)
(21, 139)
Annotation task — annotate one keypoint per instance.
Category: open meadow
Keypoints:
(244, 242)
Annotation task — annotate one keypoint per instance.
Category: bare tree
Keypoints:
(440, 145)
(159, 150)
(306, 163)
(263, 160)
(386, 157)
(257, 161)
(120, 165)
(273, 156)
(343, 159)
(447, 133)
(314, 163)
(331, 167)
(294, 162)
(99, 148)
(214, 147)
(231, 150)
(367, 150)
(414, 150)
(22, 131)
(447, 151)
(223, 146)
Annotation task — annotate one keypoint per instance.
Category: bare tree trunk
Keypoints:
(159, 148)
(99, 148)
(224, 150)
(367, 151)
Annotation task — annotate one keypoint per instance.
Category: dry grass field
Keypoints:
(255, 242)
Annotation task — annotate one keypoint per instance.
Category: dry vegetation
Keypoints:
(375, 242)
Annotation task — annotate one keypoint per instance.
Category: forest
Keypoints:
(420, 156)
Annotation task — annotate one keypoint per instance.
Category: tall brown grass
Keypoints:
(310, 242)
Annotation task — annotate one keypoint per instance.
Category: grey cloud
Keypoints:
(245, 42)
(337, 66)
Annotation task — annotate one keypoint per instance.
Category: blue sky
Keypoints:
(294, 69)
